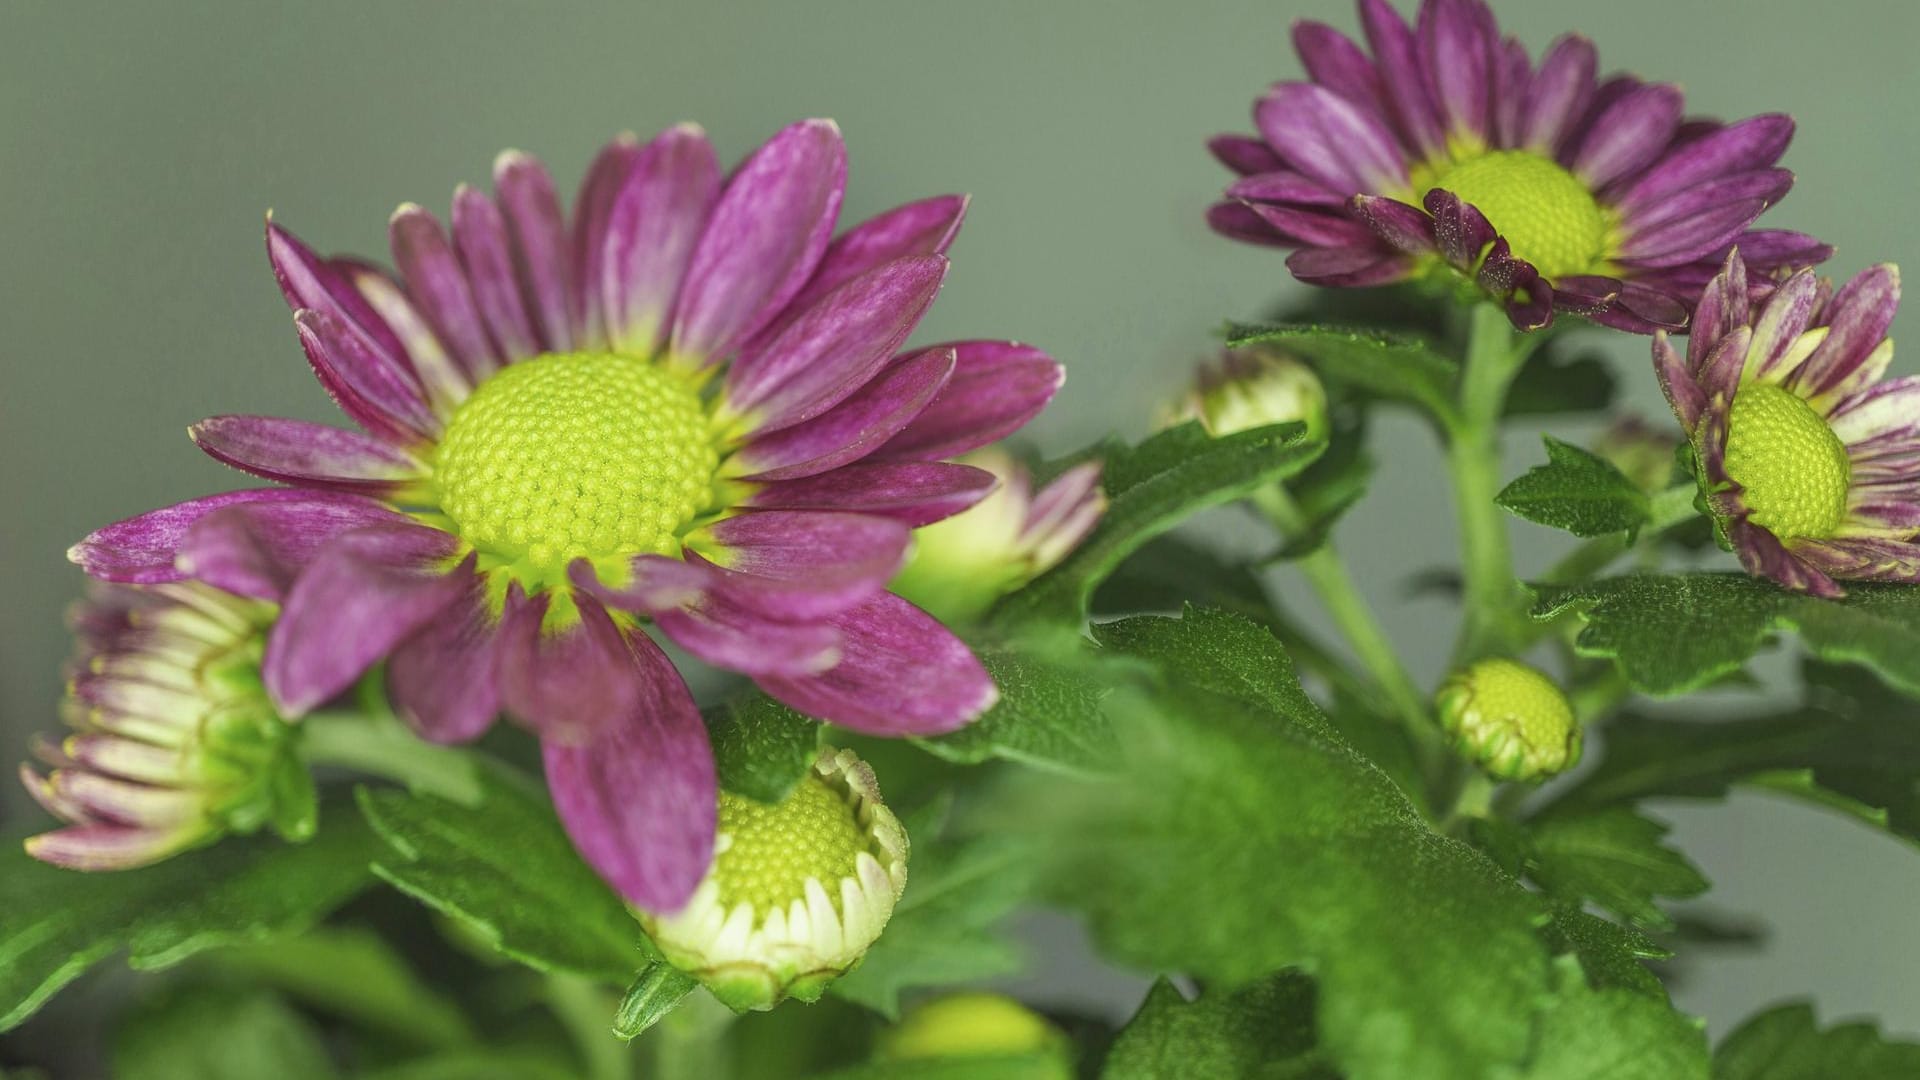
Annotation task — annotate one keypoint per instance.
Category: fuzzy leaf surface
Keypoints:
(1787, 1043)
(1261, 1031)
(1580, 492)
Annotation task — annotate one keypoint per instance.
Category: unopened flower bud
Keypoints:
(962, 565)
(176, 742)
(1642, 452)
(796, 893)
(975, 1024)
(1253, 387)
(1510, 719)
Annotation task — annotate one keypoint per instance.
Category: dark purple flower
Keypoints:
(686, 405)
(1550, 188)
(1807, 458)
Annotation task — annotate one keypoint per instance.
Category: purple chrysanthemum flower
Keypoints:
(1808, 460)
(1548, 188)
(683, 406)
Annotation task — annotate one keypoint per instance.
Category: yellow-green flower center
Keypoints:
(576, 455)
(1547, 214)
(1510, 719)
(773, 850)
(1794, 469)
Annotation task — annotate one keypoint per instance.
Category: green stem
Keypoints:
(376, 743)
(585, 1009)
(1665, 510)
(1492, 594)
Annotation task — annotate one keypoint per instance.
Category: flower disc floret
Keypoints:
(773, 850)
(1793, 469)
(576, 455)
(1546, 213)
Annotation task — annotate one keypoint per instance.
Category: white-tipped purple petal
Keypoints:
(639, 801)
(107, 847)
(1859, 315)
(380, 397)
(1330, 139)
(1752, 144)
(443, 680)
(568, 684)
(1397, 58)
(542, 254)
(1558, 93)
(900, 673)
(141, 550)
(363, 593)
(486, 254)
(831, 351)
(763, 241)
(439, 288)
(997, 386)
(310, 455)
(1783, 318)
(655, 222)
(1631, 133)
(309, 283)
(1335, 62)
(592, 208)
(443, 381)
(1762, 554)
(852, 429)
(915, 492)
(1244, 154)
(258, 549)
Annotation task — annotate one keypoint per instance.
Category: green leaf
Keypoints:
(1609, 954)
(1674, 633)
(1393, 366)
(944, 930)
(1048, 715)
(1552, 383)
(1786, 1043)
(1580, 492)
(1591, 1034)
(1151, 488)
(1250, 837)
(971, 1067)
(55, 924)
(1324, 491)
(1613, 858)
(761, 748)
(352, 973)
(1262, 1030)
(219, 1033)
(506, 870)
(1171, 571)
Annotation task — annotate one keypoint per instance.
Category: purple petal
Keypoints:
(567, 684)
(806, 547)
(314, 455)
(363, 593)
(900, 673)
(439, 288)
(1676, 382)
(997, 386)
(1237, 221)
(443, 380)
(1287, 187)
(1689, 238)
(1585, 293)
(1396, 57)
(480, 240)
(1512, 74)
(543, 255)
(1457, 44)
(1783, 318)
(1558, 94)
(258, 549)
(1892, 405)
(1750, 145)
(854, 428)
(443, 680)
(651, 584)
(1244, 154)
(107, 847)
(378, 396)
(1651, 309)
(1631, 133)
(1335, 62)
(1354, 268)
(310, 284)
(1719, 376)
(592, 208)
(1859, 314)
(915, 492)
(140, 550)
(656, 220)
(1330, 139)
(1460, 230)
(1767, 185)
(731, 635)
(836, 347)
(1864, 558)
(1404, 228)
(764, 240)
(1764, 556)
(639, 800)
(1311, 228)
(1769, 249)
(1723, 305)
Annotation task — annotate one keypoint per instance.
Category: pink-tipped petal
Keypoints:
(310, 283)
(806, 546)
(481, 241)
(730, 635)
(1754, 143)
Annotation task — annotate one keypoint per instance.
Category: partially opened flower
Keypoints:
(175, 743)
(1252, 387)
(686, 405)
(1807, 458)
(961, 566)
(1549, 188)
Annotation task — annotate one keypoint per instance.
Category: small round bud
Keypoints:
(974, 1024)
(1250, 388)
(797, 890)
(1644, 454)
(1510, 719)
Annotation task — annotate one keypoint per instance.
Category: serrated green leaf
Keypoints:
(1261, 1031)
(1578, 491)
(352, 973)
(1048, 715)
(505, 869)
(54, 924)
(219, 1033)
(1170, 572)
(1611, 1034)
(1151, 488)
(1786, 1043)
(1613, 858)
(1609, 954)
(761, 748)
(1674, 633)
(1306, 855)
(1393, 366)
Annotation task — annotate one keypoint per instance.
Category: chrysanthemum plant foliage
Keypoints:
(681, 421)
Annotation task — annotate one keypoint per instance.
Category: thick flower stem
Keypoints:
(1473, 455)
(377, 743)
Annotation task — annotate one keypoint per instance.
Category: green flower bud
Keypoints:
(1510, 719)
(975, 1024)
(796, 893)
(1250, 388)
(1643, 453)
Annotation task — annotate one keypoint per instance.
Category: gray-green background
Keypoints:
(140, 144)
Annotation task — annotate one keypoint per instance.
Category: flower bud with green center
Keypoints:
(1250, 388)
(974, 1024)
(1546, 214)
(176, 742)
(1510, 719)
(796, 893)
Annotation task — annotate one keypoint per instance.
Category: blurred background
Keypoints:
(141, 144)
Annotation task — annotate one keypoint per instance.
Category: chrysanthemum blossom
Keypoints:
(175, 743)
(961, 566)
(1807, 458)
(1547, 187)
(686, 404)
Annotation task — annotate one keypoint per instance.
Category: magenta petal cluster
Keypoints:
(686, 403)
(1808, 457)
(1443, 144)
